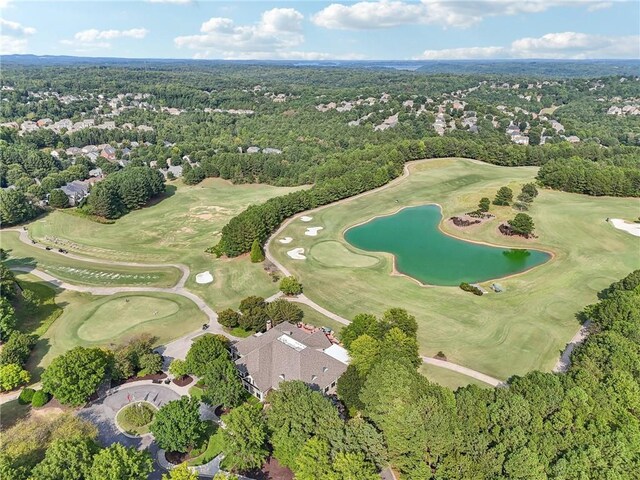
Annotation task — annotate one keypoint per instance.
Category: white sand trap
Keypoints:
(306, 218)
(286, 240)
(297, 254)
(313, 231)
(632, 228)
(204, 277)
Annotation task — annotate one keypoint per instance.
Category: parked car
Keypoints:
(48, 248)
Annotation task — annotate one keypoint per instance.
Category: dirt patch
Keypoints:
(272, 470)
(184, 381)
(464, 221)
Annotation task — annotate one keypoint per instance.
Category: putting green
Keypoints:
(117, 315)
(336, 254)
(521, 329)
(106, 321)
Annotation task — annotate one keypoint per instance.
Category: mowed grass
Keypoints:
(107, 321)
(79, 272)
(36, 319)
(448, 378)
(176, 229)
(522, 329)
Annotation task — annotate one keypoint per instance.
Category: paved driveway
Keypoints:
(102, 414)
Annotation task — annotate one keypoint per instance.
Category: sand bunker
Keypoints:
(306, 218)
(286, 240)
(313, 231)
(204, 277)
(632, 228)
(297, 254)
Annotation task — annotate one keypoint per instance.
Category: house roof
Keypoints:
(287, 352)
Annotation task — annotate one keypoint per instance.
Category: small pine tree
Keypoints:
(484, 204)
(257, 255)
(522, 224)
(504, 196)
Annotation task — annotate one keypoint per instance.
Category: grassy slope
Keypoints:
(85, 273)
(36, 321)
(522, 329)
(177, 230)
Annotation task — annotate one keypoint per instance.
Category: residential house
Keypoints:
(287, 352)
(76, 191)
(109, 153)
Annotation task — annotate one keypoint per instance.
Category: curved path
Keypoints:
(564, 362)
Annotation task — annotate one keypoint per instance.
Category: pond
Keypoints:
(425, 253)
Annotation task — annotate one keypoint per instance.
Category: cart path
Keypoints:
(564, 362)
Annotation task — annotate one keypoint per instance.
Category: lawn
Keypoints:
(36, 320)
(214, 445)
(107, 321)
(177, 229)
(448, 378)
(85, 273)
(127, 420)
(12, 412)
(522, 329)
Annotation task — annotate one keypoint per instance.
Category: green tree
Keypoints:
(204, 350)
(254, 314)
(7, 282)
(399, 318)
(58, 199)
(364, 352)
(522, 224)
(313, 462)
(361, 324)
(257, 255)
(223, 386)
(397, 344)
(181, 472)
(17, 349)
(530, 190)
(352, 466)
(281, 311)
(14, 207)
(290, 286)
(245, 437)
(178, 368)
(229, 318)
(117, 462)
(66, 460)
(504, 196)
(75, 375)
(348, 388)
(12, 376)
(484, 205)
(7, 319)
(149, 363)
(177, 426)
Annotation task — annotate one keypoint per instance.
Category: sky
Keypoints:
(313, 30)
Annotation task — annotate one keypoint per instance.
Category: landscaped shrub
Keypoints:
(470, 288)
(40, 399)
(138, 414)
(25, 396)
(290, 286)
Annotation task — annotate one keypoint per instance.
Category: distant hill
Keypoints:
(514, 68)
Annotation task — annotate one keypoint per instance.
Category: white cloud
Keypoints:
(393, 13)
(563, 45)
(599, 6)
(91, 35)
(477, 53)
(14, 37)
(278, 29)
(279, 55)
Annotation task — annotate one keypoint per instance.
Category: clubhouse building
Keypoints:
(287, 352)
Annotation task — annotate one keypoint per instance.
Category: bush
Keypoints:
(290, 286)
(484, 204)
(25, 396)
(12, 376)
(470, 288)
(229, 318)
(138, 414)
(40, 399)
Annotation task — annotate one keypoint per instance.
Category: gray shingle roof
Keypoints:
(288, 353)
